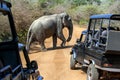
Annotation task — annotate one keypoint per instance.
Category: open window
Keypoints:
(5, 30)
(82, 37)
(99, 29)
(97, 26)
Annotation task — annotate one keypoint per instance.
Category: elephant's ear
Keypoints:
(59, 24)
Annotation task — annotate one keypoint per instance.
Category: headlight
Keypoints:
(107, 65)
(105, 62)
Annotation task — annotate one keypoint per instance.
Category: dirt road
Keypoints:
(55, 64)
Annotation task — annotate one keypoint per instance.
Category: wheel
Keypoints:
(92, 73)
(72, 62)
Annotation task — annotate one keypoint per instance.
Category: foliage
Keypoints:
(24, 15)
(115, 8)
(90, 10)
(26, 11)
(82, 13)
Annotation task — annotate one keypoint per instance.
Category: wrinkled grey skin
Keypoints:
(47, 26)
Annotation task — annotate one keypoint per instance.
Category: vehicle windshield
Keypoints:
(5, 30)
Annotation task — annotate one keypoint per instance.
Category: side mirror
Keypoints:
(34, 65)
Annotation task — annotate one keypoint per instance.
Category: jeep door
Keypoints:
(9, 53)
(80, 47)
(8, 42)
(91, 49)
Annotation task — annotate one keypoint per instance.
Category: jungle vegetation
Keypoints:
(26, 11)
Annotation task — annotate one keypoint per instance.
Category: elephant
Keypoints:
(47, 26)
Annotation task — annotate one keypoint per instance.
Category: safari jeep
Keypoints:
(99, 48)
(14, 61)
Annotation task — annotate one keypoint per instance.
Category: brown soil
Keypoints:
(55, 64)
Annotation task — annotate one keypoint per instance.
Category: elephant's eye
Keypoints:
(66, 17)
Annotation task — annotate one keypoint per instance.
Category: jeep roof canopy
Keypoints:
(105, 16)
(5, 6)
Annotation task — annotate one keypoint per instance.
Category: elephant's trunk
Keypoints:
(70, 28)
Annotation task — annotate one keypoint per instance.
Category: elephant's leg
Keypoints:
(43, 48)
(63, 43)
(62, 38)
(54, 37)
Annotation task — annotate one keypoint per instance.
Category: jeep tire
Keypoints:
(92, 73)
(72, 62)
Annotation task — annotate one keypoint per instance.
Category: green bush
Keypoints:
(90, 10)
(82, 13)
(24, 14)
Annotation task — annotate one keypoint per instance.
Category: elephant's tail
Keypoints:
(29, 38)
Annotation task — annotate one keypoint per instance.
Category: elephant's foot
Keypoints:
(63, 45)
(54, 47)
(43, 50)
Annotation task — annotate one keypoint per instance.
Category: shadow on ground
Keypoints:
(83, 68)
(60, 47)
(36, 49)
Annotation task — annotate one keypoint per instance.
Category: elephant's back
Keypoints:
(47, 18)
(45, 26)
